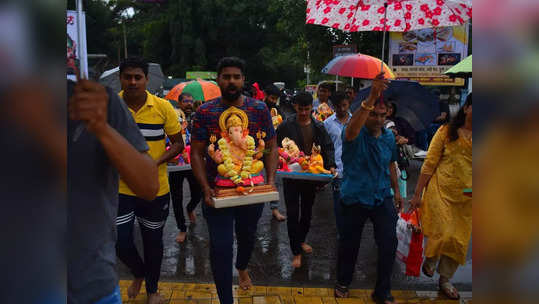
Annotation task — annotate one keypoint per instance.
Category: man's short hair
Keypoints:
(338, 98)
(271, 89)
(325, 85)
(235, 62)
(183, 95)
(303, 99)
(351, 88)
(133, 63)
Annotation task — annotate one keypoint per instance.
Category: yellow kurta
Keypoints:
(446, 214)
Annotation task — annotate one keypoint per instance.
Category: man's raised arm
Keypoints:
(358, 119)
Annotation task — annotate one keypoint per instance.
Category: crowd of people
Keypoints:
(118, 171)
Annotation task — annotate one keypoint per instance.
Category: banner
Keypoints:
(340, 50)
(201, 75)
(76, 51)
(424, 55)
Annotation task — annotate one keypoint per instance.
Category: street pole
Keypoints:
(125, 39)
(82, 59)
(308, 67)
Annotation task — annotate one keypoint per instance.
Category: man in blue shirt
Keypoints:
(335, 125)
(368, 155)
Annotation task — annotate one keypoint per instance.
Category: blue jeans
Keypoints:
(114, 298)
(384, 220)
(221, 226)
(336, 185)
(274, 205)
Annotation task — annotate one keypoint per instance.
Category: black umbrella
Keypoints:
(415, 103)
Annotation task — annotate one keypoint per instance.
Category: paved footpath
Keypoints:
(190, 293)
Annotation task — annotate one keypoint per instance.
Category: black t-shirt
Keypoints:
(307, 133)
(93, 206)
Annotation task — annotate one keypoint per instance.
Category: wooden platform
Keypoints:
(229, 197)
(305, 176)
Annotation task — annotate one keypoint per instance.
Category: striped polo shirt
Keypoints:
(155, 119)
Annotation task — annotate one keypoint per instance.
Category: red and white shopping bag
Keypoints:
(410, 247)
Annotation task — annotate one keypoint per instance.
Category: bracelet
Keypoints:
(368, 108)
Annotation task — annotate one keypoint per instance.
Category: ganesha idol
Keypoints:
(291, 159)
(276, 119)
(239, 178)
(323, 112)
(237, 157)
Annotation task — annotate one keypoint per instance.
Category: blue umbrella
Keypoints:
(415, 103)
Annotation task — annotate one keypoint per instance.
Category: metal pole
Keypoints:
(82, 60)
(384, 38)
(125, 39)
(336, 82)
(308, 67)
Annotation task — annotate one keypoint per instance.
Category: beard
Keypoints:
(229, 95)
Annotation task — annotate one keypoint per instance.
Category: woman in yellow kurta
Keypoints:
(446, 213)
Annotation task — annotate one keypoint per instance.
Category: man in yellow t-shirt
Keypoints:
(155, 118)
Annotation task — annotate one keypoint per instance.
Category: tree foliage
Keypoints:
(186, 35)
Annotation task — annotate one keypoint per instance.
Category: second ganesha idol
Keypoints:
(236, 155)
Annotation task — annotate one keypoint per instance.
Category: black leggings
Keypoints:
(151, 217)
(176, 191)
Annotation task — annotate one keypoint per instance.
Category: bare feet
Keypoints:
(306, 248)
(296, 261)
(154, 298)
(181, 237)
(192, 217)
(245, 279)
(134, 289)
(277, 215)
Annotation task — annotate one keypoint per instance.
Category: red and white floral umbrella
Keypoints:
(387, 15)
(397, 15)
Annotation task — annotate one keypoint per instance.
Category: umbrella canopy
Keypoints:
(111, 78)
(200, 89)
(401, 15)
(462, 69)
(415, 103)
(357, 66)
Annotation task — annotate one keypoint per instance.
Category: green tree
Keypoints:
(185, 35)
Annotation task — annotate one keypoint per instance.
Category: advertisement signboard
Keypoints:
(424, 55)
(201, 75)
(340, 50)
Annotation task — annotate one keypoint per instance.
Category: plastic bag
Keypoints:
(410, 243)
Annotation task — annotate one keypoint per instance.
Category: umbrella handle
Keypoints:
(384, 38)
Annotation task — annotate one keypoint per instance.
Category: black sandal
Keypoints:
(341, 291)
(382, 300)
(427, 271)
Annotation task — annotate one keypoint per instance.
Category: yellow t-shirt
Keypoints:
(155, 119)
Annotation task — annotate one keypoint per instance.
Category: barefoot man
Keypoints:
(242, 219)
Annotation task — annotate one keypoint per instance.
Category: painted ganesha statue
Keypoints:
(236, 155)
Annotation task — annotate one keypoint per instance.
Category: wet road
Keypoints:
(271, 260)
